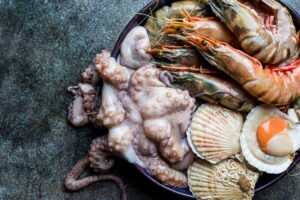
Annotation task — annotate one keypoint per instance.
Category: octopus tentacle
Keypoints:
(72, 184)
(146, 151)
(144, 146)
(163, 172)
(76, 115)
(184, 117)
(185, 162)
(174, 148)
(153, 97)
(167, 78)
(111, 112)
(132, 113)
(86, 102)
(146, 77)
(167, 136)
(90, 76)
(111, 71)
(99, 155)
(121, 138)
(88, 93)
(83, 109)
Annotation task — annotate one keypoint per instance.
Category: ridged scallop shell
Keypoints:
(228, 180)
(250, 146)
(214, 133)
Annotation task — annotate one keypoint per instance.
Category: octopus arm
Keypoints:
(100, 155)
(76, 114)
(152, 95)
(111, 112)
(163, 172)
(183, 117)
(107, 68)
(90, 76)
(121, 138)
(144, 146)
(83, 109)
(132, 112)
(89, 97)
(166, 135)
(160, 101)
(185, 162)
(146, 77)
(72, 184)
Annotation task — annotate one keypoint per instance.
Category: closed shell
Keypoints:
(214, 133)
(228, 180)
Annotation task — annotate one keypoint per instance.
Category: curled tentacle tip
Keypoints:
(73, 90)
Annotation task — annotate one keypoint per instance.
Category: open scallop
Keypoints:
(269, 138)
(229, 179)
(214, 133)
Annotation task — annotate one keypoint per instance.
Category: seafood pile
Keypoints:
(205, 96)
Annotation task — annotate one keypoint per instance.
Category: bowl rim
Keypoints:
(139, 19)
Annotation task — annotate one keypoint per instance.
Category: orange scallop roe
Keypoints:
(267, 130)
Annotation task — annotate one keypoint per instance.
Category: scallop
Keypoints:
(229, 179)
(269, 139)
(214, 133)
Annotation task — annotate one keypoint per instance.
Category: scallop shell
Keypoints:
(214, 133)
(250, 146)
(229, 179)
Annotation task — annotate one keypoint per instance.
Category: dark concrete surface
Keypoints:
(44, 47)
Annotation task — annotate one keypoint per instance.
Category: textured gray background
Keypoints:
(44, 47)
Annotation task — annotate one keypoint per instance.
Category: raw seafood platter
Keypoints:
(204, 98)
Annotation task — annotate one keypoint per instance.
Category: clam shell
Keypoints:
(229, 179)
(250, 146)
(214, 133)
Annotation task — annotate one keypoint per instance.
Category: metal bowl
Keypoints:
(265, 180)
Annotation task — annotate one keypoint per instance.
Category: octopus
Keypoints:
(146, 118)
